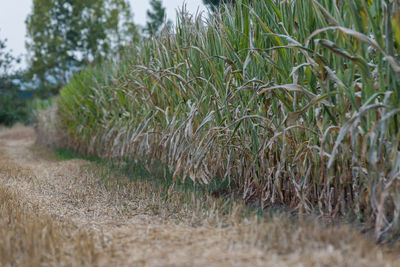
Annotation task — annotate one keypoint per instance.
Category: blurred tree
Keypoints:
(213, 4)
(6, 59)
(66, 35)
(156, 18)
(12, 103)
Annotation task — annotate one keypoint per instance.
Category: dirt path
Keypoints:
(58, 213)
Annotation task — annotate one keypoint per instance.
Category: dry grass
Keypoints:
(30, 236)
(61, 213)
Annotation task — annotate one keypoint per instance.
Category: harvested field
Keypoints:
(63, 213)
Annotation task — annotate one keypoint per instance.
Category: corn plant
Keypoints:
(293, 102)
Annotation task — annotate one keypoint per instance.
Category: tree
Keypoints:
(213, 4)
(13, 106)
(156, 18)
(66, 35)
(6, 59)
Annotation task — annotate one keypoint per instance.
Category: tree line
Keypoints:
(64, 36)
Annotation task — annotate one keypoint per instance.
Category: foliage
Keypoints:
(13, 102)
(156, 18)
(65, 35)
(6, 59)
(15, 105)
(296, 102)
(213, 4)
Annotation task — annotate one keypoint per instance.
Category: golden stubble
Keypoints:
(65, 213)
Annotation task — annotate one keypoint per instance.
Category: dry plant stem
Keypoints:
(59, 213)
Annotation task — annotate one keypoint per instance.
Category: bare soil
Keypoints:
(63, 213)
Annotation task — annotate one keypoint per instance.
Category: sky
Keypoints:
(14, 12)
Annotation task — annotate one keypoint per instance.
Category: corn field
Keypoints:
(293, 102)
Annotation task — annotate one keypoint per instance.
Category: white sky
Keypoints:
(14, 12)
